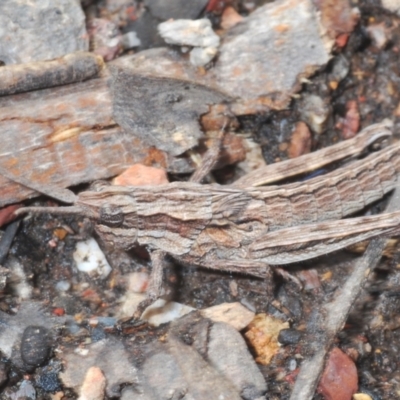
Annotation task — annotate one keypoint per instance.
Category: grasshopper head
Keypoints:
(111, 208)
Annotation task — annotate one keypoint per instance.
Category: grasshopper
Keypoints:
(246, 227)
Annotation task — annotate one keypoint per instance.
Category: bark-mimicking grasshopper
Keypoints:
(245, 228)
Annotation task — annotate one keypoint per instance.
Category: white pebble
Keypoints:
(202, 56)
(130, 40)
(186, 32)
(90, 259)
(63, 286)
(161, 312)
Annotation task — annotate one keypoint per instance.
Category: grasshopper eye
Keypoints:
(111, 216)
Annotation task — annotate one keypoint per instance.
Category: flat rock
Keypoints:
(162, 112)
(228, 354)
(282, 43)
(40, 30)
(110, 356)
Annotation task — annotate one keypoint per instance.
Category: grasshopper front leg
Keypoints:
(158, 257)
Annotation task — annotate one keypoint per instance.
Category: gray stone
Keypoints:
(200, 56)
(177, 371)
(110, 356)
(228, 354)
(263, 58)
(176, 9)
(40, 30)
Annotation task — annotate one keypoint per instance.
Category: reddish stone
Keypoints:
(350, 125)
(216, 6)
(291, 378)
(300, 142)
(338, 17)
(230, 18)
(140, 175)
(7, 214)
(59, 311)
(342, 39)
(339, 380)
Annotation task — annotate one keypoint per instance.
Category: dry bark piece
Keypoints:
(74, 67)
(162, 112)
(64, 136)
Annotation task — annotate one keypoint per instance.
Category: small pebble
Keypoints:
(93, 385)
(130, 40)
(7, 214)
(378, 34)
(90, 259)
(315, 112)
(63, 286)
(137, 282)
(186, 32)
(361, 396)
(292, 364)
(47, 378)
(199, 57)
(263, 334)
(141, 175)
(26, 391)
(230, 18)
(161, 312)
(233, 314)
(340, 69)
(339, 380)
(289, 336)
(300, 141)
(35, 346)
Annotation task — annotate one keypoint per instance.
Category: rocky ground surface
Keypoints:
(162, 79)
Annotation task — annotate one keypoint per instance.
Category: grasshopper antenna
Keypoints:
(71, 210)
(60, 194)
